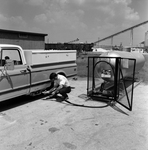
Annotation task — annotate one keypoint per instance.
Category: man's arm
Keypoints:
(57, 89)
(49, 91)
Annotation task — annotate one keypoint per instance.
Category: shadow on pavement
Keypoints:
(16, 102)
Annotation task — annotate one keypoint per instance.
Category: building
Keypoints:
(27, 40)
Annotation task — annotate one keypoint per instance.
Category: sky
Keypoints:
(67, 20)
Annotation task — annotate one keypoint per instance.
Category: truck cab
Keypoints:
(13, 72)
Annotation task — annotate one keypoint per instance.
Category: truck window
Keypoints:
(12, 54)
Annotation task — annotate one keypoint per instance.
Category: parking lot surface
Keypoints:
(48, 124)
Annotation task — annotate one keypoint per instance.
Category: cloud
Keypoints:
(100, 15)
(62, 1)
(107, 10)
(12, 22)
(113, 8)
(2, 18)
(80, 2)
(30, 2)
(81, 18)
(131, 15)
(122, 9)
(41, 18)
(126, 2)
(36, 2)
(17, 20)
(61, 18)
(117, 10)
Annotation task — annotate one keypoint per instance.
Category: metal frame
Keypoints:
(119, 80)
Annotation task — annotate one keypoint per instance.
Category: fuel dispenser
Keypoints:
(111, 76)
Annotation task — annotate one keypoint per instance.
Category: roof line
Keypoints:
(13, 31)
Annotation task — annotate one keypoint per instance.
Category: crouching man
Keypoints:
(61, 86)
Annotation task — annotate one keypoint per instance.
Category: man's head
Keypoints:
(53, 76)
(6, 58)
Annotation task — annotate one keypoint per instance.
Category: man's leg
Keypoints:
(64, 92)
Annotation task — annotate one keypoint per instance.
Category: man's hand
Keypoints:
(54, 92)
(45, 92)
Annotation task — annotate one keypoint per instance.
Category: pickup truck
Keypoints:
(26, 72)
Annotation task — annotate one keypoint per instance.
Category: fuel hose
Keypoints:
(87, 106)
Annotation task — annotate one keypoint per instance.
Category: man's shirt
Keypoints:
(61, 80)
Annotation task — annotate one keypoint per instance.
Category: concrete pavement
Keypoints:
(50, 125)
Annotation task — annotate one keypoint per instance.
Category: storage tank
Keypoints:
(106, 67)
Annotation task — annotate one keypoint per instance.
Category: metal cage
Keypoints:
(111, 79)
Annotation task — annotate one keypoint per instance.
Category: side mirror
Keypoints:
(9, 64)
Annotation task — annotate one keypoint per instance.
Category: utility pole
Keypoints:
(112, 41)
(131, 38)
(146, 39)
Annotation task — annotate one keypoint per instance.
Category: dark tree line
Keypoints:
(69, 46)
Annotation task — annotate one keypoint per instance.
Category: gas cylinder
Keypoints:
(106, 66)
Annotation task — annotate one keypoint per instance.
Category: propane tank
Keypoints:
(106, 66)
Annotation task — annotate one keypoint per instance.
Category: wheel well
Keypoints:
(62, 73)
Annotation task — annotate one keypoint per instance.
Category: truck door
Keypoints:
(13, 81)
